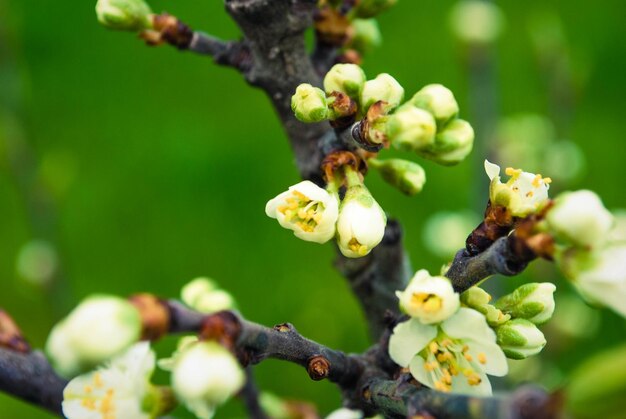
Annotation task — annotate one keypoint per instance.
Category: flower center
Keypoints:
(447, 358)
(429, 303)
(302, 211)
(90, 401)
(357, 247)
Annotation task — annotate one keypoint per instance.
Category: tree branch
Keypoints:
(405, 398)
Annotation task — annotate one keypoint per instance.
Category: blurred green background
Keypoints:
(146, 167)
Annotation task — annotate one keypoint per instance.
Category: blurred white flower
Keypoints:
(477, 21)
(203, 295)
(37, 262)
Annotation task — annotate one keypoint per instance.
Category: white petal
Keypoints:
(409, 338)
(492, 170)
(311, 191)
(612, 295)
(496, 360)
(271, 208)
(469, 324)
(461, 386)
(419, 372)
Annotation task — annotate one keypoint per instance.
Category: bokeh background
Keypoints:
(142, 168)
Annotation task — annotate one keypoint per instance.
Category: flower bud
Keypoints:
(431, 299)
(520, 339)
(580, 218)
(98, 329)
(385, 88)
(204, 376)
(523, 194)
(478, 299)
(599, 275)
(452, 144)
(310, 211)
(411, 128)
(361, 223)
(204, 296)
(309, 104)
(371, 8)
(365, 35)
(124, 15)
(407, 176)
(438, 100)
(345, 78)
(533, 302)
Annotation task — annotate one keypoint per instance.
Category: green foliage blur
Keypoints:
(156, 166)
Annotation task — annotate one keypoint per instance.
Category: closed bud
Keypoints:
(580, 218)
(520, 338)
(361, 223)
(345, 78)
(533, 302)
(407, 176)
(479, 299)
(438, 100)
(452, 145)
(477, 21)
(204, 376)
(411, 128)
(99, 328)
(371, 8)
(383, 88)
(125, 15)
(309, 104)
(365, 35)
(430, 299)
(204, 296)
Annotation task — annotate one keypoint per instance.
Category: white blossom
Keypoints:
(361, 223)
(580, 218)
(454, 356)
(522, 194)
(430, 299)
(118, 390)
(205, 375)
(310, 211)
(99, 328)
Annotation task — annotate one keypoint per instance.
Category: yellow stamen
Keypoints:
(468, 357)
(474, 379)
(482, 358)
(433, 347)
(97, 380)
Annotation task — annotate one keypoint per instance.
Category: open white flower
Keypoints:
(99, 328)
(580, 218)
(361, 223)
(430, 299)
(599, 276)
(205, 375)
(122, 389)
(454, 356)
(310, 211)
(522, 194)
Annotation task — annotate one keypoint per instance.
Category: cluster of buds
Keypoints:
(515, 316)
(315, 214)
(586, 250)
(445, 346)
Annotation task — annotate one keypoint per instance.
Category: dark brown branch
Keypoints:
(405, 398)
(250, 396)
(505, 256)
(376, 277)
(31, 378)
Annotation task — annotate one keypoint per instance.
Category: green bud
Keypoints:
(124, 15)
(407, 176)
(478, 299)
(366, 35)
(204, 296)
(370, 8)
(477, 21)
(533, 302)
(385, 88)
(309, 104)
(345, 78)
(520, 339)
(452, 145)
(411, 128)
(438, 100)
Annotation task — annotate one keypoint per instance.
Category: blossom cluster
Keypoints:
(451, 342)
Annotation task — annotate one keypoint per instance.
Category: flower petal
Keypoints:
(469, 324)
(419, 372)
(461, 386)
(495, 360)
(409, 338)
(492, 170)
